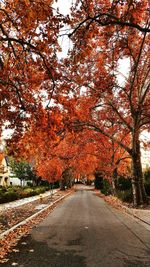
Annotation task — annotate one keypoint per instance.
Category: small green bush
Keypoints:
(2, 189)
(44, 183)
(55, 185)
(30, 184)
(1, 197)
(40, 190)
(125, 195)
(12, 193)
(106, 188)
(10, 189)
(123, 184)
(8, 197)
(29, 192)
(46, 188)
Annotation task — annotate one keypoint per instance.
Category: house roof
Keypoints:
(2, 156)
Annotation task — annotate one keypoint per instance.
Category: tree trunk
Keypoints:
(114, 177)
(62, 184)
(139, 194)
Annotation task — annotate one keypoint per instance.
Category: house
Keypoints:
(4, 170)
(7, 177)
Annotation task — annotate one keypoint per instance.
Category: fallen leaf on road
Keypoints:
(15, 250)
(23, 243)
(31, 250)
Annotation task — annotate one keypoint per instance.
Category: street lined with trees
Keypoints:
(73, 113)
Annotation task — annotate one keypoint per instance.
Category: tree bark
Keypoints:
(138, 189)
(114, 177)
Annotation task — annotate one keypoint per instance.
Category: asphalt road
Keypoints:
(84, 231)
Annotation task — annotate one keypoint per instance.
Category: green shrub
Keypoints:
(55, 185)
(1, 197)
(10, 189)
(14, 188)
(125, 195)
(29, 192)
(2, 189)
(123, 184)
(40, 190)
(8, 197)
(106, 188)
(12, 193)
(30, 184)
(44, 183)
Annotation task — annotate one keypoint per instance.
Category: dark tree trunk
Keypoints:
(139, 193)
(114, 177)
(62, 184)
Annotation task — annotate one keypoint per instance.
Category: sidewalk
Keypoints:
(141, 214)
(23, 201)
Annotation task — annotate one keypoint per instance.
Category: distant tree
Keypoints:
(19, 169)
(23, 171)
(31, 175)
(67, 179)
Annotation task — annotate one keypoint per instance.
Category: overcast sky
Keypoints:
(64, 6)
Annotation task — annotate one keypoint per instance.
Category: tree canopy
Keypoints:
(74, 112)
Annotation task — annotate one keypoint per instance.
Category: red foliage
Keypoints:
(75, 112)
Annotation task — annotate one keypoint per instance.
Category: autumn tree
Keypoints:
(45, 100)
(105, 32)
(28, 62)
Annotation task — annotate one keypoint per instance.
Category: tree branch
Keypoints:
(106, 21)
(97, 129)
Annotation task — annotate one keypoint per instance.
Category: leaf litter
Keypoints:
(8, 242)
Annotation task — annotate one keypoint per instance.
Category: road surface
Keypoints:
(84, 231)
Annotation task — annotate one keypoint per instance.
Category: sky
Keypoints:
(64, 41)
(63, 5)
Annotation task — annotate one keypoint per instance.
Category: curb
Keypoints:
(134, 212)
(31, 217)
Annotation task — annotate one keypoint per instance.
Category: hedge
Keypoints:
(12, 193)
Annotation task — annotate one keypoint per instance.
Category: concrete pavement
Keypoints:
(141, 214)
